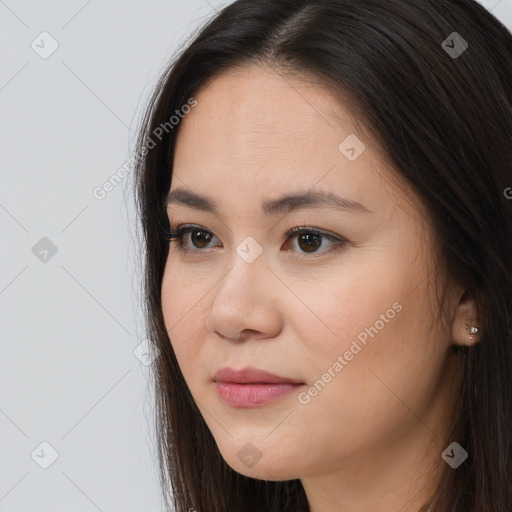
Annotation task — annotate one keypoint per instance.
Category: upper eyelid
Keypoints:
(186, 226)
(290, 233)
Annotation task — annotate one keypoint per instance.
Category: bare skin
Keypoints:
(371, 437)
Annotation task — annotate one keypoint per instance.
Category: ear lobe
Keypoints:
(465, 327)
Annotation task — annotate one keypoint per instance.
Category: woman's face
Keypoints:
(351, 322)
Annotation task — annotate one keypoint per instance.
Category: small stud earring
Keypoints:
(471, 329)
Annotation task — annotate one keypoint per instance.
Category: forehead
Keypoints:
(256, 105)
(257, 133)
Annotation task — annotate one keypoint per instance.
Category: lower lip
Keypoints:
(253, 395)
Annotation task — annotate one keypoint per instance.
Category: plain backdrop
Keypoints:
(76, 410)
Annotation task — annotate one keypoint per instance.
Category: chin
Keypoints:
(262, 463)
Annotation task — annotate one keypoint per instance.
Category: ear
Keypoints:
(465, 327)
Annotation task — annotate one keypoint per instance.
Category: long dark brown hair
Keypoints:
(445, 121)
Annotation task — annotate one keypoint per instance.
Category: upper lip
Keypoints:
(250, 375)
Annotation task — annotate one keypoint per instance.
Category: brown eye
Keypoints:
(309, 242)
(200, 238)
(310, 239)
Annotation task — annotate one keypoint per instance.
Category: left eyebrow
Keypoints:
(285, 204)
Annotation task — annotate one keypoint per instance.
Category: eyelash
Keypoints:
(181, 230)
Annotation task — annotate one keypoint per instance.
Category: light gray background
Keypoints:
(71, 323)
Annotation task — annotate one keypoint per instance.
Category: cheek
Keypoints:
(181, 310)
(346, 309)
(365, 317)
(380, 367)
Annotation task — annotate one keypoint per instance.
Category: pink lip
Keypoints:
(252, 387)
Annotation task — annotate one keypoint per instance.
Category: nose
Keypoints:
(246, 303)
